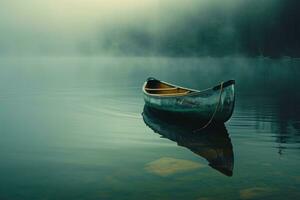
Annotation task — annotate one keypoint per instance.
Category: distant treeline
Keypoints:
(252, 28)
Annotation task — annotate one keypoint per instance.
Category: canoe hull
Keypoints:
(200, 104)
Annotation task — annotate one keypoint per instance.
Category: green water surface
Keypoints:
(71, 128)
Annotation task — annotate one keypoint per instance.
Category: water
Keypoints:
(71, 128)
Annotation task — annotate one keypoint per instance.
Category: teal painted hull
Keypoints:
(200, 104)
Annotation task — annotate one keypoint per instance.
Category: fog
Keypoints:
(150, 27)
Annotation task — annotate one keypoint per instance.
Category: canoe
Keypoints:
(212, 104)
(213, 143)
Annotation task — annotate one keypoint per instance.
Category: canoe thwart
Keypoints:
(156, 89)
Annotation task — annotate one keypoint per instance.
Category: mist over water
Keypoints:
(150, 28)
(72, 119)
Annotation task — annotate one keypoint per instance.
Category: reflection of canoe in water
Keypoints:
(212, 143)
(165, 96)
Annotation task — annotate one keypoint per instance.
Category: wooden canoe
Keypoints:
(213, 143)
(215, 103)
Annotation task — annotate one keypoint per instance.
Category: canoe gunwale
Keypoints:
(193, 92)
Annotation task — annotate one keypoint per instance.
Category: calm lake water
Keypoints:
(72, 128)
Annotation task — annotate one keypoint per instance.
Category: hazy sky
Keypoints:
(31, 25)
(59, 26)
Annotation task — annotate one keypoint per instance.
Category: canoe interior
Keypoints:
(164, 89)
